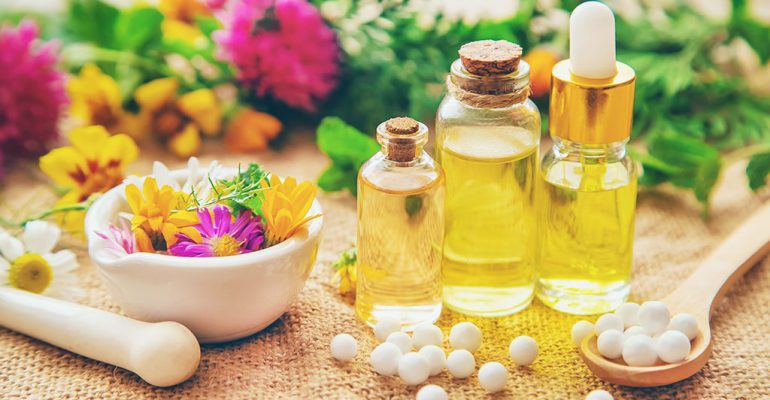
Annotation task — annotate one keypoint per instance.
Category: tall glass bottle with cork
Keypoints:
(400, 228)
(588, 180)
(487, 138)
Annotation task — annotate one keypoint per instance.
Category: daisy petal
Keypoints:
(62, 261)
(40, 236)
(10, 247)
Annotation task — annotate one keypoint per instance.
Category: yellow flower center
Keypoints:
(226, 246)
(30, 272)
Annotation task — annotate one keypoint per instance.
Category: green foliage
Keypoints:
(244, 190)
(348, 148)
(138, 29)
(348, 258)
(754, 32)
(92, 21)
(758, 170)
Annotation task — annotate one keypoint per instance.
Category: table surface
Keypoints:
(290, 359)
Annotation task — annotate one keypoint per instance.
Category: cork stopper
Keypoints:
(402, 145)
(490, 57)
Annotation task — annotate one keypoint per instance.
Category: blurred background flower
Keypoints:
(32, 95)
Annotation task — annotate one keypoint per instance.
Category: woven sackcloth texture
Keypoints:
(290, 359)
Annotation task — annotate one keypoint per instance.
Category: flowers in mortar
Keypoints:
(32, 95)
(180, 120)
(229, 216)
(281, 49)
(94, 163)
(31, 264)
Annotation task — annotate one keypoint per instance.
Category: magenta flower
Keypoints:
(280, 48)
(32, 94)
(120, 240)
(221, 236)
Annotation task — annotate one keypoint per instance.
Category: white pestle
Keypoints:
(163, 353)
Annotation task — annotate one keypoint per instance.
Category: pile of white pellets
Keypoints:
(415, 358)
(641, 335)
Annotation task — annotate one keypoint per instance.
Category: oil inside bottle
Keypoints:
(586, 239)
(490, 218)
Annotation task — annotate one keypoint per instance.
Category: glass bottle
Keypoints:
(487, 139)
(400, 228)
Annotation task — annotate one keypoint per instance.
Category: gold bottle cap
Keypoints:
(490, 57)
(591, 111)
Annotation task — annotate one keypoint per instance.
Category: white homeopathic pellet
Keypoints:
(460, 363)
(402, 340)
(610, 344)
(427, 334)
(639, 351)
(654, 317)
(634, 330)
(672, 346)
(523, 350)
(385, 358)
(385, 326)
(435, 357)
(684, 323)
(599, 395)
(465, 336)
(493, 376)
(344, 347)
(629, 313)
(581, 330)
(608, 322)
(413, 368)
(432, 392)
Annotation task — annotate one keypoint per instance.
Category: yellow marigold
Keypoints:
(155, 223)
(179, 18)
(94, 163)
(251, 130)
(95, 99)
(285, 206)
(179, 120)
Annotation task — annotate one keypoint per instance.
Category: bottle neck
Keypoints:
(493, 91)
(402, 149)
(607, 151)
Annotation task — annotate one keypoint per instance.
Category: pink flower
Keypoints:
(32, 94)
(120, 240)
(280, 48)
(222, 234)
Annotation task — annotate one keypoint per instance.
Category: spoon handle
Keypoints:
(744, 248)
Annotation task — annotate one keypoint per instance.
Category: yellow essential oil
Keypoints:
(586, 231)
(487, 138)
(587, 192)
(400, 229)
(490, 218)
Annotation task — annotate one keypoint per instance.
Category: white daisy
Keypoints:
(30, 264)
(197, 180)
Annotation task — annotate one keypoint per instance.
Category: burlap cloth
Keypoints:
(290, 359)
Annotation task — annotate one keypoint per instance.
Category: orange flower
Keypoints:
(541, 62)
(251, 130)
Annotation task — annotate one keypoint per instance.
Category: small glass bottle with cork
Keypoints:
(487, 138)
(400, 228)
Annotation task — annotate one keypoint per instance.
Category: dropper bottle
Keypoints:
(588, 183)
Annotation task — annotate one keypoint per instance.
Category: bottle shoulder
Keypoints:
(587, 173)
(421, 174)
(452, 112)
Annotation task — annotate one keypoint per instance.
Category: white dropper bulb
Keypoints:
(592, 41)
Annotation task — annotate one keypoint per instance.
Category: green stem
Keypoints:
(122, 58)
(56, 210)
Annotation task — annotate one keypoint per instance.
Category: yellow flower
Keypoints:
(179, 18)
(541, 61)
(155, 223)
(345, 277)
(250, 130)
(179, 121)
(94, 163)
(285, 207)
(95, 99)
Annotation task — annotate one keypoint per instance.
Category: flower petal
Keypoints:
(203, 108)
(89, 141)
(10, 247)
(62, 261)
(40, 236)
(62, 165)
(155, 94)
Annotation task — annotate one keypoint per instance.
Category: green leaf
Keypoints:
(245, 187)
(92, 21)
(349, 257)
(758, 170)
(138, 29)
(207, 25)
(348, 148)
(684, 161)
(749, 28)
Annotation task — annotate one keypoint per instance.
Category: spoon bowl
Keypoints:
(698, 296)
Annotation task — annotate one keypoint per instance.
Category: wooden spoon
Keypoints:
(698, 295)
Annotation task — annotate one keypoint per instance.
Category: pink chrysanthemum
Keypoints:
(120, 240)
(32, 94)
(222, 234)
(280, 48)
